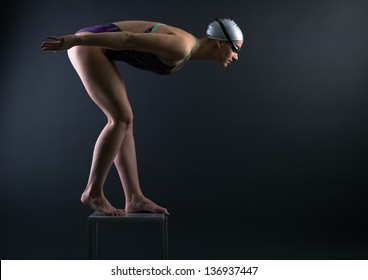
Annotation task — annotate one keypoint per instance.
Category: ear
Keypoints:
(219, 44)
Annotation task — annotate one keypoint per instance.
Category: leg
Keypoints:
(107, 90)
(126, 164)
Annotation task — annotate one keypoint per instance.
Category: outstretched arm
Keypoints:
(166, 45)
(110, 40)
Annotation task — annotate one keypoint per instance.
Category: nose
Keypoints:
(235, 57)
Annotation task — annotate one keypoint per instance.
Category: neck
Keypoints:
(204, 51)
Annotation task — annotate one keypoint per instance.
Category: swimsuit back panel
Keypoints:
(142, 60)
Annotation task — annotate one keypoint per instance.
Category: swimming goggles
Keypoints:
(234, 47)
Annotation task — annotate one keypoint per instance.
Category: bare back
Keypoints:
(138, 26)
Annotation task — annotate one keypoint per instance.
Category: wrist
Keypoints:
(77, 40)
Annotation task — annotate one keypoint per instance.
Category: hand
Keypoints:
(61, 43)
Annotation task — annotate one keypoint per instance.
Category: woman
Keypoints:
(151, 46)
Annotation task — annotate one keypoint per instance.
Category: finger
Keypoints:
(54, 38)
(46, 48)
(49, 48)
(51, 45)
(48, 45)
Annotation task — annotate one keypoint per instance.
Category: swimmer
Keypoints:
(151, 46)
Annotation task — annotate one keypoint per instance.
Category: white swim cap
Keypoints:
(214, 30)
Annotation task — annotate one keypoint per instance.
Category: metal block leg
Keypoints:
(98, 241)
(164, 239)
(90, 238)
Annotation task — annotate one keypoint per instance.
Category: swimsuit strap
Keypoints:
(155, 26)
(194, 48)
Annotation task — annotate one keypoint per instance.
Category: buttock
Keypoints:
(101, 28)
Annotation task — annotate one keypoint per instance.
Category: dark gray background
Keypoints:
(264, 160)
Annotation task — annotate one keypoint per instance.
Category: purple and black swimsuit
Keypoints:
(143, 60)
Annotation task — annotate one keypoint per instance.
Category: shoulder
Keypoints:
(172, 46)
(185, 41)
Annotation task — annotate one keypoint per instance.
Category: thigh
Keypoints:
(102, 81)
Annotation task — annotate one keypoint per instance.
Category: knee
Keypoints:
(122, 122)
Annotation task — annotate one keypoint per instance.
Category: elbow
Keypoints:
(125, 40)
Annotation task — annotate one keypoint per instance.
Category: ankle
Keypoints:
(134, 197)
(93, 192)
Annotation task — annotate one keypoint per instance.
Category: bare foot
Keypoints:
(100, 204)
(142, 204)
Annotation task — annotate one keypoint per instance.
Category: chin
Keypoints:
(224, 65)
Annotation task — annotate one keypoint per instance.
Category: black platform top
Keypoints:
(142, 217)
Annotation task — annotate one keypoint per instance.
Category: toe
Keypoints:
(120, 213)
(109, 214)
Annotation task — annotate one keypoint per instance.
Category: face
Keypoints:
(226, 53)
